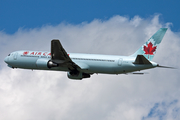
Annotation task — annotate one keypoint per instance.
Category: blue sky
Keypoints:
(32, 13)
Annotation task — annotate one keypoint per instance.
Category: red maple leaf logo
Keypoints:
(26, 52)
(149, 49)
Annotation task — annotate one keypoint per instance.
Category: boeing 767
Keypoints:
(79, 66)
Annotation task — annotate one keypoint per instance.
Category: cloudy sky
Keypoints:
(117, 28)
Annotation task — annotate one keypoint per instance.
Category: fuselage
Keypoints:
(89, 63)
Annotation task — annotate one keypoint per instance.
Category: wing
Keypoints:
(60, 56)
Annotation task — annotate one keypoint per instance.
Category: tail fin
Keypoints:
(150, 47)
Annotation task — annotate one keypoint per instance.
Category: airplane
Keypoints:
(79, 66)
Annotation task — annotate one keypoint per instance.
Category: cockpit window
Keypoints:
(9, 55)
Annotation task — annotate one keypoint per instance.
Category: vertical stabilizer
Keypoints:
(150, 47)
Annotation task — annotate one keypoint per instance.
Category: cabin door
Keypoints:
(15, 56)
(120, 61)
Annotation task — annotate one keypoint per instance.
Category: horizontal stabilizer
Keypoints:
(140, 59)
(166, 67)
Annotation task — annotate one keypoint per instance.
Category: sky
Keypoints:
(108, 27)
(15, 14)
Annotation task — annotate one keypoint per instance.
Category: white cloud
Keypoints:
(50, 95)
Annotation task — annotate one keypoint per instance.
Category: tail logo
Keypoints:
(149, 49)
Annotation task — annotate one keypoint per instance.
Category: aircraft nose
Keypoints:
(6, 59)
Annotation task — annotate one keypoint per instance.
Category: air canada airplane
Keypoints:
(79, 66)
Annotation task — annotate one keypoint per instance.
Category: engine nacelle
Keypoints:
(45, 63)
(77, 75)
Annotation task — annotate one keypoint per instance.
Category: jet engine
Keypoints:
(45, 63)
(77, 75)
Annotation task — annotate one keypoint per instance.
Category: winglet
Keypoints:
(140, 59)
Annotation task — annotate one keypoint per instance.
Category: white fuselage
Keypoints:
(89, 63)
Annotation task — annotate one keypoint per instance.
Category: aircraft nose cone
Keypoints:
(6, 59)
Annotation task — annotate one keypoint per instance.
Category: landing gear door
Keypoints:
(120, 61)
(15, 56)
